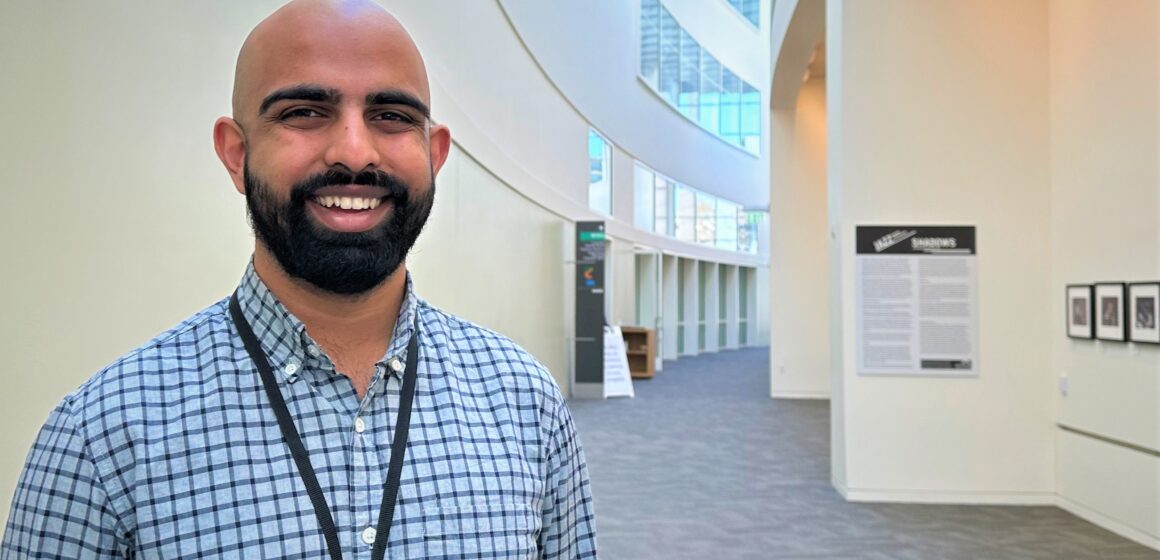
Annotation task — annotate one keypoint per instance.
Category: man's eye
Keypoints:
(394, 118)
(300, 113)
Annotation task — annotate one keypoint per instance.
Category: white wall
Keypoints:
(800, 343)
(481, 231)
(835, 194)
(939, 116)
(526, 129)
(120, 221)
(1105, 122)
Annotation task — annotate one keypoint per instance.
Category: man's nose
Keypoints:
(352, 145)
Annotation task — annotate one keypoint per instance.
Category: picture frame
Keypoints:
(1080, 311)
(1110, 313)
(1144, 312)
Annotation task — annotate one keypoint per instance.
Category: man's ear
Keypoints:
(230, 144)
(440, 142)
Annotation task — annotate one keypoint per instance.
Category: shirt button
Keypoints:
(396, 365)
(291, 368)
(312, 350)
(359, 425)
(368, 535)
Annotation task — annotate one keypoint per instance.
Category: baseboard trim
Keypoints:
(841, 488)
(1101, 520)
(940, 497)
(1001, 498)
(802, 395)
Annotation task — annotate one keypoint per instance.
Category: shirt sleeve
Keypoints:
(60, 509)
(568, 530)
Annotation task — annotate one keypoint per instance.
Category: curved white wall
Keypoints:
(507, 111)
(590, 50)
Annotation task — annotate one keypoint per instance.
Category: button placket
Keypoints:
(369, 465)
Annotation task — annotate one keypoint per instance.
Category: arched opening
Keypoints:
(799, 267)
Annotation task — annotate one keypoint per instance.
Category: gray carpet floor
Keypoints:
(702, 464)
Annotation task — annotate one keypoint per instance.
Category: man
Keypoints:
(324, 410)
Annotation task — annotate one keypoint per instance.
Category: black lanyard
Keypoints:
(302, 458)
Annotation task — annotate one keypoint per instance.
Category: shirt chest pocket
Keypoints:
(501, 530)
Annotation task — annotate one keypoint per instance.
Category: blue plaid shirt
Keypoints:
(173, 451)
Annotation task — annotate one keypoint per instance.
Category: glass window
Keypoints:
(706, 218)
(690, 76)
(727, 225)
(747, 230)
(664, 196)
(599, 174)
(750, 118)
(670, 58)
(694, 82)
(708, 114)
(643, 194)
(666, 207)
(686, 214)
(749, 9)
(730, 107)
(650, 35)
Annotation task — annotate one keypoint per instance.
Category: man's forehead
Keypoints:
(354, 51)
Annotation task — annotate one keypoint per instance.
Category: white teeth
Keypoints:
(348, 202)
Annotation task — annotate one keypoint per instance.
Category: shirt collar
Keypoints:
(284, 338)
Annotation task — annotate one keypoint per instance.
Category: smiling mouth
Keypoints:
(348, 202)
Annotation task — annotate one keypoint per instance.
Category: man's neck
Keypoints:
(355, 331)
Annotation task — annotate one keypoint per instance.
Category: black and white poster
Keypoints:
(1143, 305)
(1111, 323)
(917, 300)
(1079, 311)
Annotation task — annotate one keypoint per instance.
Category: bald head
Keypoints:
(293, 43)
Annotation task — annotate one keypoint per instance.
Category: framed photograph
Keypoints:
(1079, 312)
(1111, 311)
(1143, 310)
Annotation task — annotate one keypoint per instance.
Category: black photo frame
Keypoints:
(1079, 311)
(1143, 312)
(1110, 313)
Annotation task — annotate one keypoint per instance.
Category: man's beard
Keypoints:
(347, 263)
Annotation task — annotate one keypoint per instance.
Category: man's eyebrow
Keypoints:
(398, 97)
(301, 92)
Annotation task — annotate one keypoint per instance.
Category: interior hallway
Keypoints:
(703, 464)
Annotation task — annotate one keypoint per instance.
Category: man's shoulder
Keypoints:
(486, 353)
(173, 352)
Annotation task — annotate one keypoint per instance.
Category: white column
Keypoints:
(712, 310)
(731, 303)
(691, 278)
(669, 301)
(648, 295)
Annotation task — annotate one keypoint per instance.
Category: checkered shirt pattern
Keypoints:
(173, 451)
